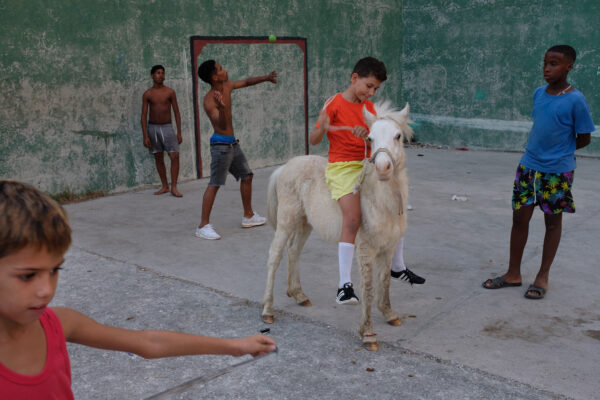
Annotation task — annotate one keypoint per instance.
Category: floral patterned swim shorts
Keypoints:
(551, 191)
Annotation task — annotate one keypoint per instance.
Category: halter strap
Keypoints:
(386, 151)
(361, 177)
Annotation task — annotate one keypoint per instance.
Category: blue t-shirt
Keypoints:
(556, 122)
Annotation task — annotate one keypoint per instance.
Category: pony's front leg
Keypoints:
(382, 270)
(365, 329)
(275, 254)
(294, 248)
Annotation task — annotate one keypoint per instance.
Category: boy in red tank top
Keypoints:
(34, 364)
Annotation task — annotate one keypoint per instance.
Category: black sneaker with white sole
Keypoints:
(409, 276)
(346, 295)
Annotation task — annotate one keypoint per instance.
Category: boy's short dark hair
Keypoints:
(29, 217)
(206, 70)
(156, 68)
(368, 66)
(564, 49)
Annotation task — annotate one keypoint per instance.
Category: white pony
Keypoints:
(298, 200)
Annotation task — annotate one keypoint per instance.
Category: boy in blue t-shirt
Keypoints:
(561, 124)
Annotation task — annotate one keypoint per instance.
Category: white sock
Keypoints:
(345, 256)
(398, 260)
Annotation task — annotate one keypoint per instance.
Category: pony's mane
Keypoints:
(385, 110)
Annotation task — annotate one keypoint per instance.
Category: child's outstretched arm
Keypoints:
(79, 328)
(272, 77)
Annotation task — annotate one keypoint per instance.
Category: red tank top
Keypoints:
(54, 382)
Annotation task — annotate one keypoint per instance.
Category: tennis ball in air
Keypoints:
(272, 38)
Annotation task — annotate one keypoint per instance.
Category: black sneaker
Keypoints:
(409, 276)
(346, 295)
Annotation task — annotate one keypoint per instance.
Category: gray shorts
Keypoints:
(227, 157)
(162, 138)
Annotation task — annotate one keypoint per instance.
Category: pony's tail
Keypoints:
(272, 197)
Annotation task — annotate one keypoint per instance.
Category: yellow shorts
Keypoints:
(341, 177)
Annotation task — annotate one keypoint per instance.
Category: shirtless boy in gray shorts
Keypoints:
(158, 131)
(226, 154)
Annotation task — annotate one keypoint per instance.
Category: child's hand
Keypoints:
(323, 120)
(360, 131)
(147, 142)
(179, 138)
(218, 96)
(272, 77)
(256, 345)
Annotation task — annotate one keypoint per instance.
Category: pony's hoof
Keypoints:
(268, 319)
(371, 346)
(370, 342)
(395, 322)
(305, 303)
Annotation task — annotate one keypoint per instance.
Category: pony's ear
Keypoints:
(404, 113)
(369, 118)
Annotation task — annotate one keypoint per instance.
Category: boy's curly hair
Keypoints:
(368, 66)
(156, 68)
(30, 217)
(206, 70)
(564, 49)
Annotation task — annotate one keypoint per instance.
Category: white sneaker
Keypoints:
(207, 232)
(255, 220)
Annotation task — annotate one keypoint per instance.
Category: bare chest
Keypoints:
(159, 98)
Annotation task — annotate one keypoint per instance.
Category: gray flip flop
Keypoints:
(499, 283)
(533, 288)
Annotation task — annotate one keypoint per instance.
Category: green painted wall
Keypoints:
(470, 67)
(74, 74)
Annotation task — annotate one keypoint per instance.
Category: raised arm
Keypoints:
(582, 140)
(144, 120)
(272, 77)
(81, 329)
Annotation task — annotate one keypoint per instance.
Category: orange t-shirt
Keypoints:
(343, 116)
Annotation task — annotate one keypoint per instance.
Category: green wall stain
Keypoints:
(98, 134)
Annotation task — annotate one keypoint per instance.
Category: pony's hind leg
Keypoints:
(294, 248)
(275, 254)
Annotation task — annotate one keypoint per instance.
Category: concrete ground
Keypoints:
(136, 263)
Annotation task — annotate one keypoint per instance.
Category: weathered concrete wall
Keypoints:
(470, 67)
(75, 72)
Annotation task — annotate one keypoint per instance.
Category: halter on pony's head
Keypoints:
(391, 122)
(387, 138)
